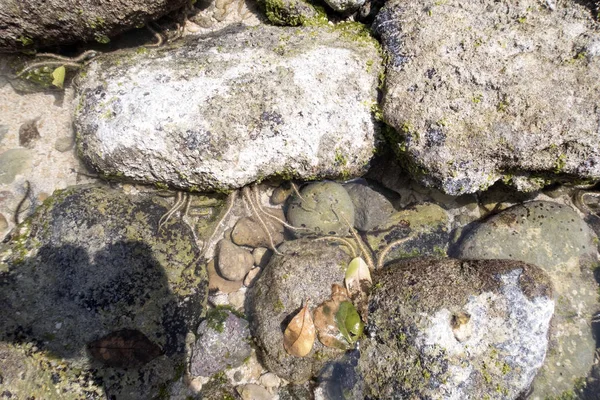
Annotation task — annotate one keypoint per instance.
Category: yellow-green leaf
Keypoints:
(58, 76)
(299, 336)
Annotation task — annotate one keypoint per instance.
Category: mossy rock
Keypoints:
(467, 329)
(90, 262)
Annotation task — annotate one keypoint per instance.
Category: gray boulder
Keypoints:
(90, 263)
(553, 237)
(306, 270)
(220, 112)
(480, 91)
(223, 343)
(455, 329)
(26, 24)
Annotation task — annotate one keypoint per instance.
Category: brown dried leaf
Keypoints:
(358, 282)
(123, 349)
(299, 336)
(325, 322)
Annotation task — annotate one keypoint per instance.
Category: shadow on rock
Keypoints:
(117, 304)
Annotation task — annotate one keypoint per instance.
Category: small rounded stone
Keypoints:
(64, 144)
(261, 255)
(270, 380)
(251, 277)
(217, 282)
(233, 262)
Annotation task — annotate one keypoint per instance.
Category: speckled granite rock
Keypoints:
(221, 112)
(480, 91)
(306, 270)
(553, 237)
(26, 25)
(450, 329)
(89, 263)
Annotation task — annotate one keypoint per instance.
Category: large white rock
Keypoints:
(220, 112)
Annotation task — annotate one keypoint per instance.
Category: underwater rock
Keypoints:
(372, 204)
(444, 328)
(234, 261)
(90, 263)
(222, 343)
(426, 228)
(324, 208)
(249, 232)
(222, 111)
(305, 270)
(489, 90)
(553, 237)
(28, 25)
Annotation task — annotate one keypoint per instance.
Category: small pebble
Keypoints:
(254, 392)
(216, 282)
(237, 298)
(64, 144)
(251, 277)
(270, 380)
(219, 299)
(280, 195)
(247, 232)
(3, 223)
(29, 134)
(234, 262)
(261, 255)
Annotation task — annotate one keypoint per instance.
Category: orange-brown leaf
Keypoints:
(124, 348)
(299, 336)
(327, 327)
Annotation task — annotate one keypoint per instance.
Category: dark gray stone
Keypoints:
(372, 205)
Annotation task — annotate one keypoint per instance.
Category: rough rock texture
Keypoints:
(220, 112)
(306, 270)
(485, 90)
(426, 228)
(223, 343)
(291, 12)
(421, 345)
(212, 15)
(88, 263)
(556, 239)
(345, 6)
(324, 208)
(372, 204)
(26, 24)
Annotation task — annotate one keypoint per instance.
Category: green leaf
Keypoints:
(349, 322)
(59, 76)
